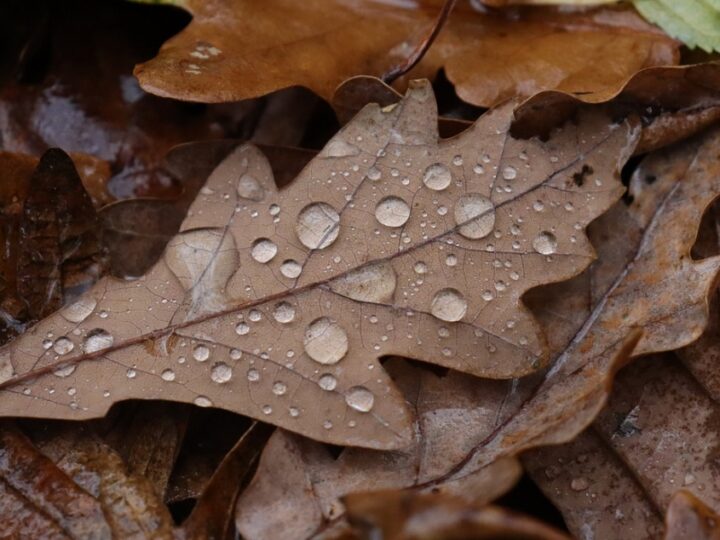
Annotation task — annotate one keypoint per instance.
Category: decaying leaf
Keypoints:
(279, 305)
(688, 517)
(657, 407)
(237, 49)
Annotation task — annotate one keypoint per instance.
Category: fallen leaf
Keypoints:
(278, 305)
(671, 190)
(237, 49)
(688, 517)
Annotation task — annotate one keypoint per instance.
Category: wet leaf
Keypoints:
(278, 305)
(237, 49)
(657, 407)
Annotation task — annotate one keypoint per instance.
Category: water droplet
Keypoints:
(475, 215)
(78, 311)
(221, 373)
(97, 340)
(374, 174)
(235, 354)
(255, 315)
(451, 260)
(168, 375)
(249, 188)
(263, 250)
(290, 269)
(545, 243)
(457, 160)
(420, 268)
(360, 399)
(253, 375)
(325, 341)
(279, 388)
(274, 209)
(63, 345)
(284, 313)
(103, 314)
(267, 409)
(372, 283)
(327, 382)
(131, 373)
(294, 412)
(449, 305)
(339, 148)
(437, 177)
(392, 212)
(202, 401)
(47, 343)
(478, 169)
(538, 206)
(201, 353)
(327, 424)
(317, 225)
(242, 328)
(579, 484)
(65, 371)
(509, 173)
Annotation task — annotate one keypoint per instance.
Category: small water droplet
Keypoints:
(267, 409)
(97, 340)
(263, 250)
(221, 373)
(545, 243)
(457, 160)
(279, 388)
(372, 283)
(131, 373)
(325, 341)
(374, 174)
(202, 401)
(360, 399)
(339, 148)
(201, 353)
(168, 375)
(249, 188)
(65, 371)
(63, 345)
(509, 173)
(538, 206)
(451, 260)
(284, 313)
(478, 169)
(475, 215)
(290, 269)
(254, 315)
(253, 375)
(449, 305)
(437, 177)
(294, 412)
(318, 225)
(242, 328)
(420, 268)
(327, 424)
(327, 382)
(392, 212)
(78, 311)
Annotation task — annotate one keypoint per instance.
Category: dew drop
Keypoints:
(437, 177)
(420, 268)
(267, 409)
(65, 371)
(325, 341)
(63, 345)
(284, 313)
(97, 340)
(249, 188)
(372, 283)
(317, 225)
(449, 305)
(263, 250)
(221, 373)
(242, 328)
(509, 173)
(168, 375)
(78, 311)
(487, 296)
(545, 243)
(339, 148)
(451, 260)
(253, 375)
(290, 269)
(475, 215)
(457, 160)
(327, 382)
(279, 388)
(255, 315)
(538, 206)
(360, 399)
(201, 353)
(392, 212)
(327, 424)
(202, 401)
(131, 373)
(294, 412)
(235, 354)
(374, 174)
(478, 169)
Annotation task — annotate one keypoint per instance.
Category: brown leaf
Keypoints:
(278, 305)
(688, 517)
(237, 49)
(656, 404)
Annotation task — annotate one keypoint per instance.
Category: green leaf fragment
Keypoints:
(694, 22)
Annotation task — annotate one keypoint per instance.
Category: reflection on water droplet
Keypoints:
(475, 215)
(392, 212)
(325, 341)
(221, 373)
(242, 328)
(317, 225)
(339, 148)
(545, 243)
(65, 371)
(63, 345)
(373, 283)
(168, 375)
(263, 250)
(78, 311)
(448, 305)
(97, 340)
(253, 375)
(284, 313)
(202, 401)
(360, 398)
(279, 388)
(437, 177)
(249, 188)
(290, 269)
(327, 382)
(201, 353)
(509, 173)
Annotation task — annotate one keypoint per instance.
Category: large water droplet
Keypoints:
(168, 375)
(318, 225)
(339, 148)
(475, 214)
(437, 177)
(65, 371)
(63, 345)
(392, 212)
(221, 373)
(327, 382)
(201, 353)
(373, 283)
(360, 398)
(97, 340)
(242, 328)
(249, 188)
(290, 269)
(449, 305)
(509, 173)
(263, 250)
(325, 341)
(78, 311)
(545, 243)
(202, 401)
(284, 312)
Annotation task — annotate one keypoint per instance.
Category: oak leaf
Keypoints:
(238, 49)
(278, 305)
